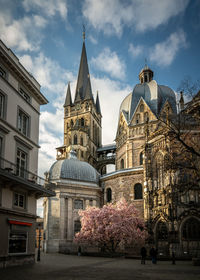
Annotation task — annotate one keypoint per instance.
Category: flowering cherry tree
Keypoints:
(111, 226)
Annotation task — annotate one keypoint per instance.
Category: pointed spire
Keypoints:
(68, 99)
(181, 101)
(78, 97)
(83, 74)
(98, 104)
(88, 91)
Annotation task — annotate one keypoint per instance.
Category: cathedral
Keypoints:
(148, 155)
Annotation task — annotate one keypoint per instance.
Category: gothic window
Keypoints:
(162, 231)
(77, 226)
(138, 191)
(146, 117)
(81, 140)
(86, 106)
(75, 139)
(141, 158)
(122, 164)
(142, 108)
(71, 123)
(66, 112)
(109, 195)
(137, 118)
(82, 122)
(191, 229)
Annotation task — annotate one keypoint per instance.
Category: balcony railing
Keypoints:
(12, 169)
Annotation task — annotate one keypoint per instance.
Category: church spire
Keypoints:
(68, 99)
(98, 104)
(83, 82)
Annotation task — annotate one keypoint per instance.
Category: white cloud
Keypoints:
(164, 53)
(23, 34)
(47, 7)
(109, 62)
(110, 16)
(92, 39)
(135, 50)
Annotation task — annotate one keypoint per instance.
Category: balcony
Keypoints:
(13, 174)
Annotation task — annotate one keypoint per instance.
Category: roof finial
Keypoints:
(145, 60)
(83, 32)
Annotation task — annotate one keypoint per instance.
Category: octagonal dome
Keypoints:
(73, 169)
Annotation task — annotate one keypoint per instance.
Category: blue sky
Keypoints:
(120, 34)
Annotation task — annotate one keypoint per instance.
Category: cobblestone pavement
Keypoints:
(68, 267)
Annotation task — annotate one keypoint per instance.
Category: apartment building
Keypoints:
(20, 186)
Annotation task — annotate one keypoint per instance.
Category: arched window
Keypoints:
(137, 118)
(122, 164)
(138, 191)
(82, 122)
(141, 158)
(77, 226)
(146, 117)
(109, 195)
(81, 141)
(142, 108)
(161, 231)
(71, 123)
(75, 139)
(191, 229)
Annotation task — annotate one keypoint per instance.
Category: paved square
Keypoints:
(60, 267)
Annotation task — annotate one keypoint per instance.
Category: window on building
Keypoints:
(25, 95)
(138, 191)
(66, 112)
(146, 117)
(78, 204)
(71, 123)
(77, 226)
(138, 118)
(75, 139)
(82, 122)
(21, 165)
(18, 242)
(191, 229)
(23, 123)
(81, 141)
(162, 231)
(19, 200)
(122, 164)
(145, 78)
(2, 72)
(2, 105)
(141, 158)
(109, 195)
(142, 108)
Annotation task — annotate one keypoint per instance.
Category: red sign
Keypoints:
(14, 222)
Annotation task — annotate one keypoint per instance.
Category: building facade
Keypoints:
(144, 141)
(20, 100)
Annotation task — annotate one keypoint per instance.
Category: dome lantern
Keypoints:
(146, 75)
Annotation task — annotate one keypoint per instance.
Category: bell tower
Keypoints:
(82, 118)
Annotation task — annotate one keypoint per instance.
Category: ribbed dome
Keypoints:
(73, 169)
(154, 95)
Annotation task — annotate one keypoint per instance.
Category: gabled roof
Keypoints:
(68, 99)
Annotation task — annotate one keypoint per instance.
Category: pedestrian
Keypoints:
(143, 253)
(153, 254)
(79, 251)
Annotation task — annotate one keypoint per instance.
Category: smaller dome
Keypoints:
(73, 169)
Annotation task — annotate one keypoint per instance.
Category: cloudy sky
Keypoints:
(120, 34)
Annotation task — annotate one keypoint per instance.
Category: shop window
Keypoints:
(109, 195)
(191, 229)
(23, 123)
(17, 242)
(138, 191)
(78, 204)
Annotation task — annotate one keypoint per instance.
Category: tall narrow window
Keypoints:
(75, 139)
(122, 164)
(2, 105)
(81, 140)
(2, 72)
(23, 123)
(109, 195)
(71, 123)
(146, 117)
(21, 163)
(162, 231)
(138, 191)
(77, 226)
(82, 122)
(141, 158)
(138, 118)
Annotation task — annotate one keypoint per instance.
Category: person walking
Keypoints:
(153, 254)
(143, 253)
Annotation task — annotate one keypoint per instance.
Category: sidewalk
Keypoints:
(69, 267)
